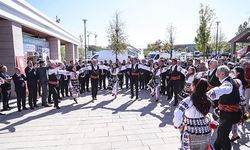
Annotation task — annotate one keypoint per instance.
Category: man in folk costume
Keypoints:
(53, 83)
(174, 84)
(134, 77)
(102, 79)
(94, 75)
(211, 75)
(212, 79)
(229, 98)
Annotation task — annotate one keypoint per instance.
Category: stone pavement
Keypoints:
(106, 124)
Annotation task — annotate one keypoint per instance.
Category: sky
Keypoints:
(145, 20)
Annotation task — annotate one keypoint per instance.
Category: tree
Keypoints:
(62, 50)
(242, 27)
(116, 35)
(162, 46)
(81, 52)
(204, 31)
(223, 45)
(171, 38)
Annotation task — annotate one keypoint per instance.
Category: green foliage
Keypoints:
(116, 35)
(62, 49)
(159, 46)
(223, 45)
(81, 52)
(204, 31)
(242, 27)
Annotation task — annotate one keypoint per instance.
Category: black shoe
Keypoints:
(24, 108)
(75, 100)
(67, 95)
(131, 97)
(19, 110)
(157, 100)
(175, 103)
(31, 108)
(5, 109)
(36, 105)
(57, 107)
(45, 105)
(10, 107)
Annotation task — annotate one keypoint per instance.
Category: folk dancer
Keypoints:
(74, 85)
(155, 82)
(190, 118)
(53, 81)
(174, 84)
(239, 78)
(229, 99)
(191, 73)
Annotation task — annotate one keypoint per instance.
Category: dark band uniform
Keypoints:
(20, 88)
(32, 85)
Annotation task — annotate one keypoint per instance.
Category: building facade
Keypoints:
(27, 34)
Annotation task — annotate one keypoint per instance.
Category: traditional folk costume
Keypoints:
(195, 126)
(155, 82)
(174, 85)
(74, 85)
(114, 80)
(229, 99)
(242, 107)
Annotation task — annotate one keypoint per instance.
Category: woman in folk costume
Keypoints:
(155, 82)
(239, 78)
(189, 79)
(190, 117)
(74, 85)
(113, 79)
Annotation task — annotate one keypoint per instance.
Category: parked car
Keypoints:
(197, 54)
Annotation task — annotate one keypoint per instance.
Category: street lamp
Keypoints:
(216, 48)
(85, 43)
(116, 32)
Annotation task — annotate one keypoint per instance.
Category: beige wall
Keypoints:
(55, 48)
(69, 52)
(11, 44)
(76, 52)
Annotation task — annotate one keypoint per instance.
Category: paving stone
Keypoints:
(106, 124)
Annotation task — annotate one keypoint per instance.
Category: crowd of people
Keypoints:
(198, 84)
